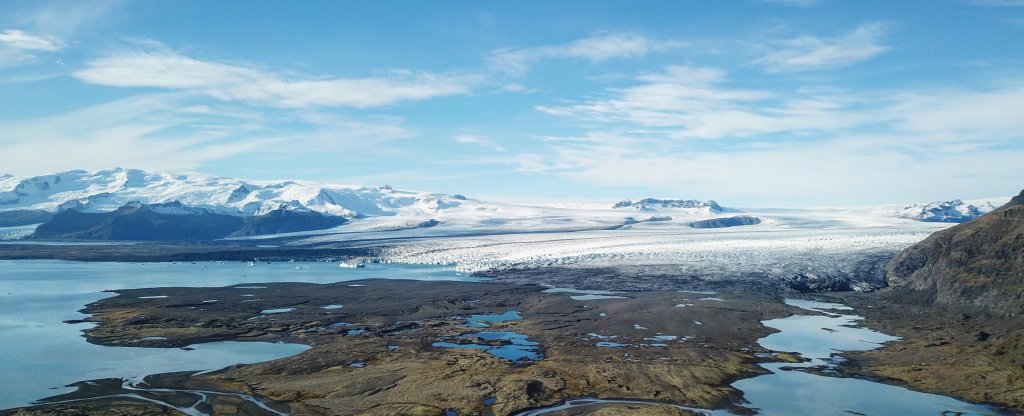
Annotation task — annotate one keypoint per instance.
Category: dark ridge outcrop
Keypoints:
(24, 217)
(69, 222)
(726, 222)
(174, 221)
(141, 222)
(283, 220)
(977, 264)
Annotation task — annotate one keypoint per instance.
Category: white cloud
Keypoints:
(144, 131)
(478, 141)
(688, 102)
(825, 145)
(169, 131)
(812, 52)
(594, 49)
(833, 172)
(513, 87)
(17, 47)
(64, 17)
(159, 67)
(20, 40)
(529, 162)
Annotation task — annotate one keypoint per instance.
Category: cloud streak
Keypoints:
(789, 143)
(697, 103)
(18, 39)
(806, 53)
(475, 140)
(599, 48)
(160, 67)
(168, 131)
(17, 46)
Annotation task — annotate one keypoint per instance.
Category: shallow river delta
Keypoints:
(400, 339)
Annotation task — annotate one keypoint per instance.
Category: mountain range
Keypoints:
(955, 211)
(132, 204)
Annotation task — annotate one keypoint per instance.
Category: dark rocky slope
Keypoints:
(141, 222)
(726, 222)
(175, 222)
(975, 264)
(24, 217)
(283, 220)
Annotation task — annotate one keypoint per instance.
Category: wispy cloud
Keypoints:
(597, 48)
(18, 47)
(840, 171)
(145, 131)
(160, 67)
(20, 40)
(813, 52)
(64, 17)
(689, 102)
(851, 140)
(170, 131)
(478, 141)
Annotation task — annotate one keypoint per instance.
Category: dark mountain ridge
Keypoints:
(174, 221)
(979, 263)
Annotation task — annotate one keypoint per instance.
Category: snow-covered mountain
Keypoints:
(947, 211)
(108, 190)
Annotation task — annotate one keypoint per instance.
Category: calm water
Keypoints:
(43, 354)
(793, 392)
(788, 391)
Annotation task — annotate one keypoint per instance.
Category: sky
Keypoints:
(750, 103)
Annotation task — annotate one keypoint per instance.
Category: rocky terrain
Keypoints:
(376, 353)
(979, 263)
(726, 222)
(956, 300)
(944, 350)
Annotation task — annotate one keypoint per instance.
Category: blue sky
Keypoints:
(780, 103)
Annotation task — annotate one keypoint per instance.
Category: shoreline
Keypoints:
(438, 310)
(722, 352)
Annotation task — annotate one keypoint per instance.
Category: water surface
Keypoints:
(44, 354)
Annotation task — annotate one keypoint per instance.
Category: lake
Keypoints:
(44, 354)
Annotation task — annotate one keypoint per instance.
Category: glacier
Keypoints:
(804, 246)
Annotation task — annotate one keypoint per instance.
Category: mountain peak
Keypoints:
(650, 204)
(1017, 200)
(955, 211)
(110, 189)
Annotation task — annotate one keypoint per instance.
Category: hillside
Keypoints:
(978, 263)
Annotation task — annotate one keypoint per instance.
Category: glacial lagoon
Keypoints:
(43, 354)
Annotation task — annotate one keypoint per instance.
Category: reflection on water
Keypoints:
(586, 294)
(43, 353)
(517, 348)
(480, 321)
(790, 391)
